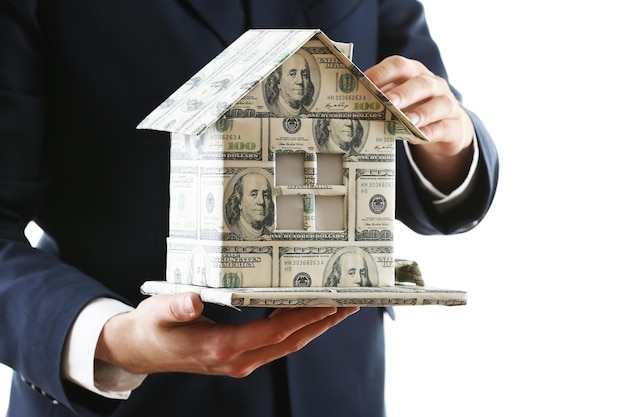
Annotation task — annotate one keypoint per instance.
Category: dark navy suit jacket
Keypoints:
(76, 78)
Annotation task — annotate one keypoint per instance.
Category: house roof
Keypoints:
(208, 94)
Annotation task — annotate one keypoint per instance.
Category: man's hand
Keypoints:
(169, 334)
(426, 99)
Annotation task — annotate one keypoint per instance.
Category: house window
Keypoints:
(289, 168)
(289, 209)
(310, 192)
(329, 212)
(330, 169)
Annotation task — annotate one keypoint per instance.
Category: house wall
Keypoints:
(324, 205)
(265, 198)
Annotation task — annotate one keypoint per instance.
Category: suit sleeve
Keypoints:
(39, 295)
(404, 31)
(414, 205)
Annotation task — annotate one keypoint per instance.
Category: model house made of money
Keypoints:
(282, 168)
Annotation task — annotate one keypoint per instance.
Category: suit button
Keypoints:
(39, 391)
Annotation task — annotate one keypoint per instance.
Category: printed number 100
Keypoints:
(240, 146)
(367, 106)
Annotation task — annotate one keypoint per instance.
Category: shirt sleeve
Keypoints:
(79, 363)
(446, 202)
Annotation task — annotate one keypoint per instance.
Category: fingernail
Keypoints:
(188, 305)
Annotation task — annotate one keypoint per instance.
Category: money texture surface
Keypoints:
(282, 168)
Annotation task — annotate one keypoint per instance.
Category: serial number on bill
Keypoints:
(348, 97)
(304, 262)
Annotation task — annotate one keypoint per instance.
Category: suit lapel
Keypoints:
(225, 17)
(275, 14)
(325, 14)
(300, 14)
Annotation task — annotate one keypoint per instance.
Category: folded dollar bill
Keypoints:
(282, 179)
(409, 290)
(400, 295)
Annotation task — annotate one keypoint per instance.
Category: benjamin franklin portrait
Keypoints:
(249, 209)
(351, 267)
(339, 135)
(289, 91)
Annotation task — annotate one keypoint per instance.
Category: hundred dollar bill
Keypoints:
(323, 84)
(314, 297)
(313, 82)
(203, 264)
(358, 140)
(375, 205)
(250, 204)
(246, 209)
(225, 79)
(226, 139)
(336, 266)
(395, 113)
(184, 201)
(212, 180)
(295, 236)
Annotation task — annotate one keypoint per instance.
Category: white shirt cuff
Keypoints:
(79, 363)
(443, 201)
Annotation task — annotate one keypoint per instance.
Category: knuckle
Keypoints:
(433, 85)
(451, 103)
(397, 61)
(296, 345)
(406, 66)
(430, 83)
(426, 114)
(438, 81)
(275, 337)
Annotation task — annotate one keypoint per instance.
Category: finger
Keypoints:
(386, 88)
(249, 361)
(449, 137)
(418, 90)
(395, 70)
(274, 329)
(280, 310)
(173, 309)
(431, 111)
(304, 336)
(230, 346)
(437, 132)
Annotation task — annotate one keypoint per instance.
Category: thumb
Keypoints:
(181, 308)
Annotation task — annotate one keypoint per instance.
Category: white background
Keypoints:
(542, 333)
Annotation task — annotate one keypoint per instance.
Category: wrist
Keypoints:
(445, 172)
(80, 365)
(112, 345)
